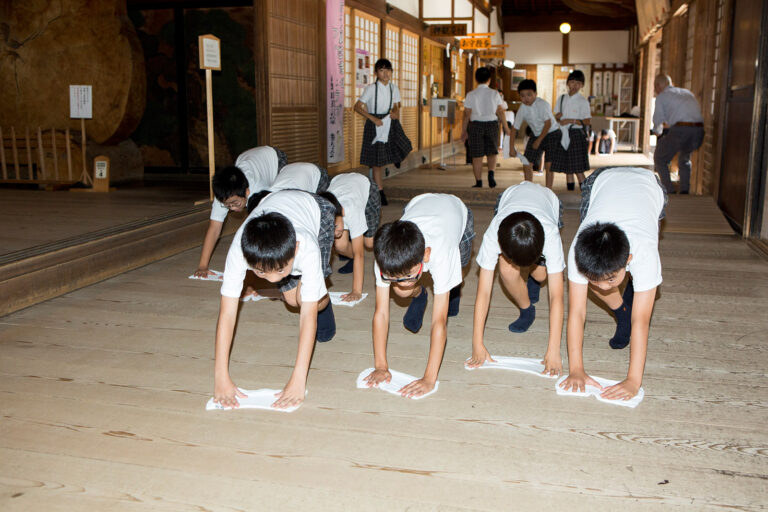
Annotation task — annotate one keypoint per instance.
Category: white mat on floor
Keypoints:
(519, 364)
(593, 391)
(213, 275)
(337, 301)
(399, 380)
(257, 399)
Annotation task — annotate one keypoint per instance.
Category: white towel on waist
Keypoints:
(399, 380)
(519, 364)
(382, 132)
(593, 391)
(565, 141)
(257, 399)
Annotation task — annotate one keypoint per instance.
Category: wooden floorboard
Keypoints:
(103, 392)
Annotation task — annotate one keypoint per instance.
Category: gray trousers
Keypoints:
(680, 141)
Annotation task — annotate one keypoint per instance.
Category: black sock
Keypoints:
(326, 324)
(383, 197)
(348, 267)
(527, 316)
(454, 300)
(344, 258)
(397, 165)
(414, 316)
(623, 326)
(491, 180)
(570, 186)
(478, 184)
(533, 289)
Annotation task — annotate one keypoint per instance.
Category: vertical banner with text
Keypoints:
(334, 52)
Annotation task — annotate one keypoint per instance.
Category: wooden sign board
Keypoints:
(492, 54)
(81, 101)
(475, 43)
(448, 30)
(210, 52)
(101, 174)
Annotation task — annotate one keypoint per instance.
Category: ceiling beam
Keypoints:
(550, 22)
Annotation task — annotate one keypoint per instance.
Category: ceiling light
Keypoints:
(509, 64)
(565, 28)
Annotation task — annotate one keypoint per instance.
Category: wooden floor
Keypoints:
(103, 393)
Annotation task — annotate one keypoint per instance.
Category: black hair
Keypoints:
(601, 249)
(382, 64)
(228, 182)
(483, 74)
(603, 132)
(527, 85)
(398, 247)
(577, 75)
(255, 199)
(268, 241)
(521, 238)
(335, 202)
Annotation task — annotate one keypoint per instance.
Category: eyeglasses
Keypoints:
(406, 279)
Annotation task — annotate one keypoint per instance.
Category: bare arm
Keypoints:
(361, 109)
(553, 363)
(465, 123)
(577, 315)
(502, 119)
(380, 333)
(544, 132)
(395, 112)
(294, 391)
(358, 269)
(211, 237)
(436, 350)
(225, 391)
(482, 303)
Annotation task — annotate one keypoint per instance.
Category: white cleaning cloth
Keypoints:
(213, 275)
(520, 364)
(399, 380)
(257, 399)
(523, 160)
(336, 299)
(382, 132)
(593, 391)
(269, 293)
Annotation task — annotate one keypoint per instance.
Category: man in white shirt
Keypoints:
(254, 170)
(434, 235)
(287, 240)
(677, 111)
(524, 236)
(483, 111)
(619, 235)
(546, 130)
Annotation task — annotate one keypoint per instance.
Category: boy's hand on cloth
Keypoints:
(226, 393)
(292, 395)
(624, 390)
(553, 365)
(479, 357)
(201, 273)
(417, 388)
(377, 377)
(351, 296)
(577, 382)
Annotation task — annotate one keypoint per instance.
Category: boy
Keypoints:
(361, 210)
(287, 240)
(523, 235)
(483, 111)
(619, 235)
(434, 235)
(573, 112)
(296, 176)
(253, 171)
(536, 112)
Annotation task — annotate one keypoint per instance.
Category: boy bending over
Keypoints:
(361, 211)
(287, 240)
(524, 236)
(434, 235)
(617, 241)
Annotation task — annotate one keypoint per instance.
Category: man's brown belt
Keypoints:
(689, 124)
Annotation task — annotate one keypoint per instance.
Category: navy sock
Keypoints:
(570, 186)
(491, 180)
(454, 300)
(624, 319)
(533, 289)
(326, 324)
(478, 184)
(527, 316)
(344, 258)
(414, 316)
(347, 268)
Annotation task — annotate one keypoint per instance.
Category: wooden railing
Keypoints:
(37, 156)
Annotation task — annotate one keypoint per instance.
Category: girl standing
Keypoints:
(384, 141)
(574, 115)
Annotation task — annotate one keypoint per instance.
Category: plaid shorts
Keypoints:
(586, 193)
(465, 245)
(576, 158)
(559, 218)
(393, 151)
(372, 210)
(324, 241)
(282, 158)
(483, 137)
(553, 150)
(325, 180)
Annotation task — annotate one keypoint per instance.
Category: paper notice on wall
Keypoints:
(81, 101)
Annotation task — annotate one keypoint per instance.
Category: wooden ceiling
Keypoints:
(547, 15)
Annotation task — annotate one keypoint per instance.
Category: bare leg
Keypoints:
(377, 177)
(477, 167)
(550, 177)
(512, 280)
(528, 172)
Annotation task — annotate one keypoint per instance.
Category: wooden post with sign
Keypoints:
(210, 59)
(101, 174)
(81, 107)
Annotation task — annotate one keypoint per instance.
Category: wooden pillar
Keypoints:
(565, 49)
(261, 65)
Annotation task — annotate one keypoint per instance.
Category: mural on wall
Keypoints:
(234, 107)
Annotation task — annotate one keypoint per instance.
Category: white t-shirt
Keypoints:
(299, 175)
(631, 198)
(260, 168)
(303, 212)
(441, 218)
(352, 190)
(483, 101)
(536, 115)
(369, 96)
(573, 107)
(540, 202)
(675, 105)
